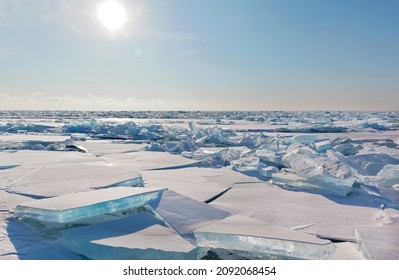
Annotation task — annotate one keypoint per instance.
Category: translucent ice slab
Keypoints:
(246, 164)
(260, 239)
(83, 205)
(270, 157)
(390, 173)
(136, 237)
(268, 171)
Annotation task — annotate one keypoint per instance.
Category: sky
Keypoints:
(200, 55)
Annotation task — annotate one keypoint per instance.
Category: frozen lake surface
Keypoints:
(187, 185)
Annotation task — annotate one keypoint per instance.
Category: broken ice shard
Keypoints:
(141, 236)
(322, 146)
(245, 164)
(347, 149)
(257, 239)
(71, 208)
(390, 173)
(270, 157)
(219, 156)
(268, 171)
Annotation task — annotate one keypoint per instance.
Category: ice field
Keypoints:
(199, 185)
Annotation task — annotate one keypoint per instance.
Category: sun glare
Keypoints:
(112, 15)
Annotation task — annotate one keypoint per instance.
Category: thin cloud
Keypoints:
(3, 51)
(42, 101)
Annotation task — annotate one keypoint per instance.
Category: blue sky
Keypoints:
(201, 55)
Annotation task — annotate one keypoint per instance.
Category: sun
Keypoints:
(112, 15)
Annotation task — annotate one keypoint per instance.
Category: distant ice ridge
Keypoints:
(335, 164)
(73, 208)
(256, 239)
(23, 127)
(321, 161)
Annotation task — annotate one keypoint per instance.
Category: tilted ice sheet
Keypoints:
(185, 214)
(241, 233)
(141, 236)
(77, 206)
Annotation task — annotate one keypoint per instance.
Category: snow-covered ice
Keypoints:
(334, 216)
(320, 173)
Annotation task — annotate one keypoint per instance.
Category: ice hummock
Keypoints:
(72, 208)
(140, 236)
(324, 170)
(259, 239)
